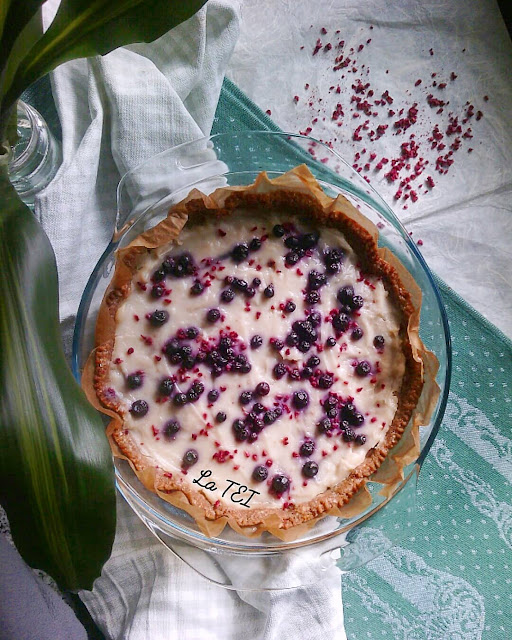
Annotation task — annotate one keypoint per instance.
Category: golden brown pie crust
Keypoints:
(296, 194)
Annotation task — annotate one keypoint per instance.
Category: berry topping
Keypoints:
(291, 242)
(348, 435)
(300, 399)
(240, 430)
(260, 473)
(276, 344)
(357, 302)
(157, 290)
(291, 258)
(324, 425)
(221, 416)
(307, 448)
(180, 399)
(378, 342)
(262, 389)
(278, 231)
(256, 342)
(305, 330)
(309, 469)
(269, 291)
(345, 294)
(190, 458)
(197, 288)
(360, 439)
(213, 315)
(195, 391)
(315, 318)
(134, 380)
(192, 332)
(139, 408)
(250, 292)
(306, 373)
(255, 244)
(256, 283)
(240, 252)
(280, 484)
(330, 342)
(340, 322)
(228, 295)
(158, 275)
(290, 306)
(245, 397)
(325, 381)
(166, 387)
(279, 370)
(363, 368)
(312, 297)
(316, 280)
(333, 259)
(213, 395)
(292, 339)
(357, 333)
(171, 428)
(239, 284)
(309, 240)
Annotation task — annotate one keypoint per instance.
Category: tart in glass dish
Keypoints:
(260, 359)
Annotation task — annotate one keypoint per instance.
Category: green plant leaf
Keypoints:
(17, 17)
(56, 479)
(84, 28)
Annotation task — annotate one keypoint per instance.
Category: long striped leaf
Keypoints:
(84, 28)
(56, 481)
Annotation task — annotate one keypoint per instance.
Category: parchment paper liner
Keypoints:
(298, 182)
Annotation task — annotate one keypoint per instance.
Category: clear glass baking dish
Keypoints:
(334, 544)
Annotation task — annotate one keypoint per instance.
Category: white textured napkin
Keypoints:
(115, 112)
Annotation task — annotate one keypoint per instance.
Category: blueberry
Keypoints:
(221, 416)
(324, 425)
(348, 410)
(197, 288)
(257, 425)
(195, 392)
(139, 408)
(313, 361)
(256, 283)
(306, 373)
(291, 242)
(256, 342)
(260, 473)
(166, 387)
(345, 294)
(292, 339)
(331, 413)
(360, 439)
(290, 306)
(190, 458)
(157, 290)
(269, 417)
(280, 484)
(291, 258)
(312, 297)
(357, 302)
(213, 315)
(315, 318)
(304, 346)
(356, 419)
(309, 469)
(363, 368)
(225, 343)
(180, 399)
(239, 284)
(250, 292)
(227, 295)
(245, 397)
(279, 370)
(378, 342)
(134, 380)
(305, 330)
(276, 344)
(307, 448)
(330, 342)
(186, 351)
(269, 291)
(348, 435)
(357, 333)
(278, 231)
(262, 389)
(192, 332)
(340, 322)
(240, 430)
(171, 428)
(316, 280)
(240, 252)
(168, 265)
(213, 395)
(258, 408)
(325, 381)
(158, 275)
(300, 399)
(255, 244)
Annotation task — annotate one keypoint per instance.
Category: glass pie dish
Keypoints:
(333, 544)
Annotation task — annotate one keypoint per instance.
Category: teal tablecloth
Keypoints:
(451, 577)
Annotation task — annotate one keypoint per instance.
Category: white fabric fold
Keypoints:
(116, 112)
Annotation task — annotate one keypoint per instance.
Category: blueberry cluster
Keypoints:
(333, 259)
(303, 334)
(255, 421)
(298, 244)
(178, 266)
(238, 285)
(342, 418)
(241, 251)
(349, 302)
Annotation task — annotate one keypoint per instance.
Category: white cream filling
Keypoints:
(374, 395)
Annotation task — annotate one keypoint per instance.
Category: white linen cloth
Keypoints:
(115, 112)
